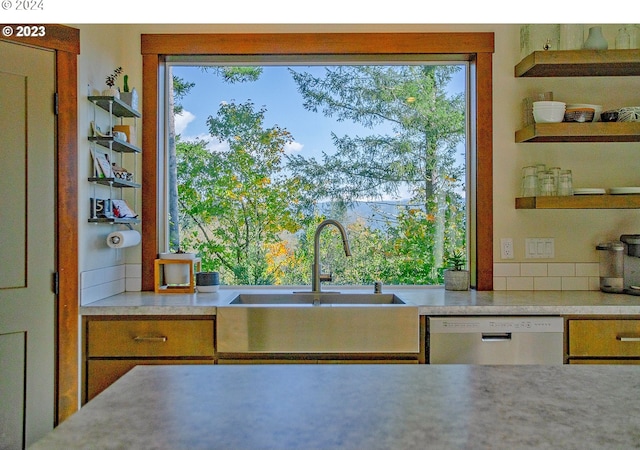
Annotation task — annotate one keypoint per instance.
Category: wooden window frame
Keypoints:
(476, 48)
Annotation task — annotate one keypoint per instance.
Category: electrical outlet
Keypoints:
(506, 248)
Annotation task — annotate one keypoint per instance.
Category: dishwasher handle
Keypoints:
(496, 337)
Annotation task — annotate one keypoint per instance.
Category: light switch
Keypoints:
(539, 248)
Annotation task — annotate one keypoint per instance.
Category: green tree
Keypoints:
(237, 202)
(422, 125)
(179, 89)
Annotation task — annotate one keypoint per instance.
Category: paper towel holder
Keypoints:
(115, 240)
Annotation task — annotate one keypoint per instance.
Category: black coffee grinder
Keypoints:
(631, 263)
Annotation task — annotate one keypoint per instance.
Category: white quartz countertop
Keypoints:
(429, 300)
(360, 407)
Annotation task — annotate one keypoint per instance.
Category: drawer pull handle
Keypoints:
(150, 339)
(628, 338)
(496, 337)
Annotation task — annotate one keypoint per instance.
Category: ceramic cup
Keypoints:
(207, 281)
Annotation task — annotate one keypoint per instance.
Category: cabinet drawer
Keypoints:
(606, 361)
(604, 337)
(150, 338)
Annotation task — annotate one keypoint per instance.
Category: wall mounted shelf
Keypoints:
(114, 106)
(117, 145)
(112, 147)
(580, 132)
(580, 63)
(631, 201)
(114, 182)
(113, 220)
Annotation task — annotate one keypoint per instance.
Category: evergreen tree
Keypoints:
(417, 127)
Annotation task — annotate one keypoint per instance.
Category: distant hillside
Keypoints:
(374, 213)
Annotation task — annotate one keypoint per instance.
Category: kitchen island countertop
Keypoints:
(358, 407)
(430, 301)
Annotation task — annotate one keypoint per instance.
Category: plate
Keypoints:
(587, 191)
(624, 190)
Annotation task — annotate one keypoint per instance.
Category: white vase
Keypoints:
(177, 274)
(130, 98)
(595, 40)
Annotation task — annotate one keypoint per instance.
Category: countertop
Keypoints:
(360, 407)
(431, 301)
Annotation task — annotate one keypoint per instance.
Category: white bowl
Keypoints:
(596, 108)
(548, 115)
(549, 103)
(212, 288)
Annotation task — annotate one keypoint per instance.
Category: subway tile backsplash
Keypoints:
(107, 281)
(546, 277)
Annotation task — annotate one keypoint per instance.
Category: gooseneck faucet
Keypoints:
(316, 276)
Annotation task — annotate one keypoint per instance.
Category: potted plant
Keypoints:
(456, 278)
(112, 91)
(129, 97)
(177, 274)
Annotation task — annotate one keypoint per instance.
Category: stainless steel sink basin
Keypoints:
(305, 322)
(310, 298)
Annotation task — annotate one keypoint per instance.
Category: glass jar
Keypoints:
(623, 39)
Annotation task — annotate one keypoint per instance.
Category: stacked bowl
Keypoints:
(548, 111)
(597, 110)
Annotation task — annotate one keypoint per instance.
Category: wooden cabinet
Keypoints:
(603, 341)
(579, 63)
(115, 344)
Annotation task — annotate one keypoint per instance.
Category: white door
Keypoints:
(27, 244)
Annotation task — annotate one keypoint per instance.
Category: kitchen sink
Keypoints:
(324, 298)
(306, 322)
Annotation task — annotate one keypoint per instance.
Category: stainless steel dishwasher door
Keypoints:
(496, 340)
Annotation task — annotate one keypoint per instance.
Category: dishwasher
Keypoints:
(496, 340)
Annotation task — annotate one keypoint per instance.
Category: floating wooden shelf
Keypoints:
(580, 63)
(118, 107)
(580, 132)
(631, 201)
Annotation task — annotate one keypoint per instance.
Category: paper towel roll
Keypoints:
(122, 239)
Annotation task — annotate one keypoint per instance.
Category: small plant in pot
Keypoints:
(110, 81)
(456, 278)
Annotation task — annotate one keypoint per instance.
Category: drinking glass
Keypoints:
(565, 183)
(547, 184)
(529, 186)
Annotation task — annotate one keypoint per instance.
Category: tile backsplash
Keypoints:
(546, 277)
(107, 281)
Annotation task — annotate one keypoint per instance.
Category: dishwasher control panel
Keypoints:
(496, 324)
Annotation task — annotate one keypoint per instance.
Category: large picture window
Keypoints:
(263, 153)
(356, 171)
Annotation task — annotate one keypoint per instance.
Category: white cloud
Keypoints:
(216, 145)
(292, 147)
(182, 120)
(213, 144)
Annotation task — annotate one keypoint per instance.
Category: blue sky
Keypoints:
(276, 91)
